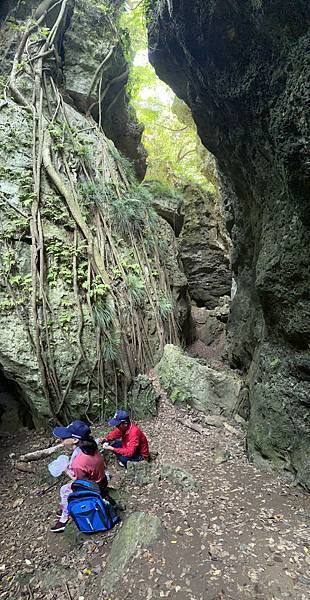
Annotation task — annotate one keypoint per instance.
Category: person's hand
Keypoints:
(107, 447)
(101, 440)
(70, 473)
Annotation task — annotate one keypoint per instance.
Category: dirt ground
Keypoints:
(243, 534)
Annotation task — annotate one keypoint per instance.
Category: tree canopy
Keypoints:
(174, 149)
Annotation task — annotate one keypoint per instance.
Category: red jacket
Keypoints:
(133, 441)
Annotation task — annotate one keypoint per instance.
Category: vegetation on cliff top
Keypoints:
(174, 149)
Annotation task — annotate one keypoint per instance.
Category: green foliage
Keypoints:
(58, 132)
(64, 319)
(165, 306)
(172, 144)
(104, 313)
(17, 286)
(136, 287)
(54, 210)
(111, 347)
(8, 261)
(98, 289)
(125, 264)
(133, 211)
(16, 227)
(60, 266)
(123, 163)
(178, 396)
(7, 305)
(160, 188)
(27, 195)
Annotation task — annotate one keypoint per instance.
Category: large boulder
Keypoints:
(188, 382)
(210, 325)
(138, 531)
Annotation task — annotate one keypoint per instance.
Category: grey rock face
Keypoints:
(204, 248)
(92, 46)
(171, 209)
(57, 312)
(17, 356)
(241, 67)
(210, 325)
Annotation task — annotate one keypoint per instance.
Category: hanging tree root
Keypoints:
(125, 327)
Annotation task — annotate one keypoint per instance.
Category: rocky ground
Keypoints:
(229, 530)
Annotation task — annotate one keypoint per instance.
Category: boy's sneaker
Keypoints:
(59, 512)
(58, 527)
(120, 463)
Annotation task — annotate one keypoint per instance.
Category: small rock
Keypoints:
(278, 558)
(213, 421)
(221, 456)
(240, 420)
(142, 472)
(17, 502)
(178, 476)
(304, 580)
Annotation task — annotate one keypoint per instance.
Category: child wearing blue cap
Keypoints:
(129, 442)
(86, 463)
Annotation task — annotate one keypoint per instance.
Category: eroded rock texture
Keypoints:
(85, 303)
(241, 67)
(93, 71)
(205, 248)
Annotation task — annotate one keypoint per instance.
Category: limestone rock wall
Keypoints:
(241, 68)
(205, 248)
(90, 281)
(92, 72)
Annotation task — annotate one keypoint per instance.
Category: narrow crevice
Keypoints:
(14, 410)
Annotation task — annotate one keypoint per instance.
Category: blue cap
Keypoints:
(120, 415)
(76, 429)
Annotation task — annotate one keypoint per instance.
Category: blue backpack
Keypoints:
(89, 510)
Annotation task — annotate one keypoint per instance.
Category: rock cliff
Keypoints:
(89, 294)
(241, 68)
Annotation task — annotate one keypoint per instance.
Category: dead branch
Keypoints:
(38, 454)
(193, 426)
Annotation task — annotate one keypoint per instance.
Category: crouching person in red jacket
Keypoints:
(129, 442)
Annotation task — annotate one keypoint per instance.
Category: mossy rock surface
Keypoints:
(142, 399)
(142, 472)
(188, 382)
(139, 530)
(179, 477)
